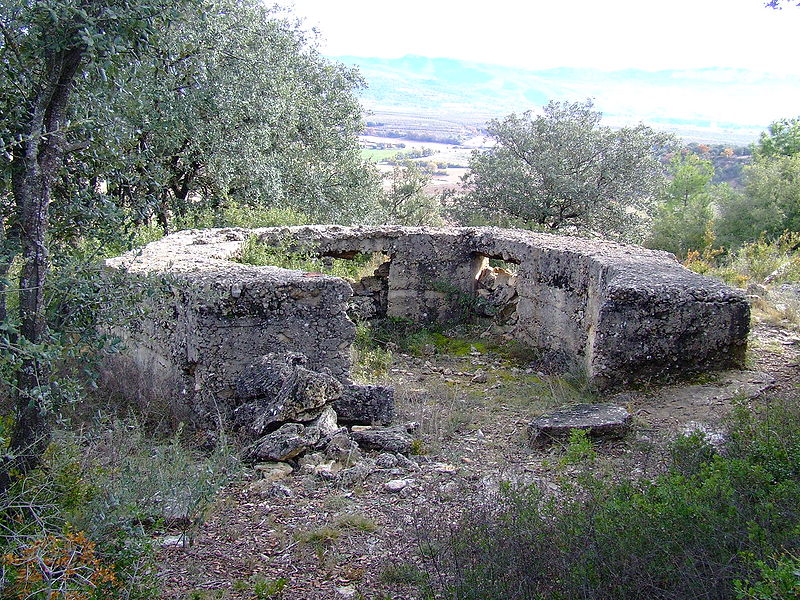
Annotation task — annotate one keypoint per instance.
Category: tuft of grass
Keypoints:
(371, 361)
(357, 522)
(319, 536)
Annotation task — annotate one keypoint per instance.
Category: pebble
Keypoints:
(396, 485)
(480, 376)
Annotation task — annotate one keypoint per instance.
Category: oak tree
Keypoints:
(563, 171)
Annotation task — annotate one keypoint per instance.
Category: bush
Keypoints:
(80, 525)
(774, 261)
(710, 521)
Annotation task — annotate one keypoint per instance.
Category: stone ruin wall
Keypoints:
(622, 313)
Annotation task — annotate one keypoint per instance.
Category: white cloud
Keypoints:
(614, 34)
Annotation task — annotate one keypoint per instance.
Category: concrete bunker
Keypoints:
(623, 313)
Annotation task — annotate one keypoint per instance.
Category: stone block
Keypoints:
(365, 405)
(602, 421)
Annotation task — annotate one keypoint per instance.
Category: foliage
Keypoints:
(769, 204)
(58, 566)
(782, 138)
(371, 361)
(80, 523)
(692, 532)
(779, 579)
(683, 219)
(777, 261)
(579, 448)
(406, 202)
(190, 131)
(563, 171)
(291, 256)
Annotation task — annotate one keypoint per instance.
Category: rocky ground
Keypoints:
(306, 535)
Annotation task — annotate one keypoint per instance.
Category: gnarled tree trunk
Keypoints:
(36, 165)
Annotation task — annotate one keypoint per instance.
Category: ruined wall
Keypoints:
(622, 312)
(207, 318)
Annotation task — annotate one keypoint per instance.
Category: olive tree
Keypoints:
(47, 47)
(132, 109)
(233, 102)
(563, 171)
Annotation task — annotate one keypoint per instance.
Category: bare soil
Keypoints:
(320, 539)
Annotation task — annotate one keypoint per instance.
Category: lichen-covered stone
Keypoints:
(286, 442)
(280, 390)
(366, 405)
(388, 439)
(604, 421)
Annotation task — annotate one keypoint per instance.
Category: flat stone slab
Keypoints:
(601, 420)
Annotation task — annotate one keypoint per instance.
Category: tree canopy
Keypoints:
(125, 111)
(562, 170)
(782, 138)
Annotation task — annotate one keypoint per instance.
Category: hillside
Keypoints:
(712, 105)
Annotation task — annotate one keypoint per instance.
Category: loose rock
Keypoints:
(390, 439)
(600, 420)
(289, 441)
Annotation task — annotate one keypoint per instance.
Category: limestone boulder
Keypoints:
(387, 439)
(287, 442)
(275, 390)
(602, 421)
(366, 405)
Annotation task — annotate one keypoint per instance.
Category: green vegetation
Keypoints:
(715, 524)
(357, 522)
(777, 261)
(287, 256)
(683, 220)
(562, 171)
(722, 224)
(406, 202)
(94, 502)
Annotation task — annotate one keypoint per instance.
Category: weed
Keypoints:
(579, 448)
(370, 360)
(268, 588)
(318, 537)
(337, 502)
(356, 521)
(418, 447)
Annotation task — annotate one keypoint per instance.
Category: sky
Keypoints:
(537, 34)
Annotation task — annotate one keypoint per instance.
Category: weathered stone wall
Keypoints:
(621, 312)
(211, 317)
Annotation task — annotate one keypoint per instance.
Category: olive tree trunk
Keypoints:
(37, 162)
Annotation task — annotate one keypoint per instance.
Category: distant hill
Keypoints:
(713, 105)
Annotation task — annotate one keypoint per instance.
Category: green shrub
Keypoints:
(371, 360)
(752, 262)
(96, 500)
(693, 532)
(242, 215)
(579, 448)
(777, 579)
(289, 256)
